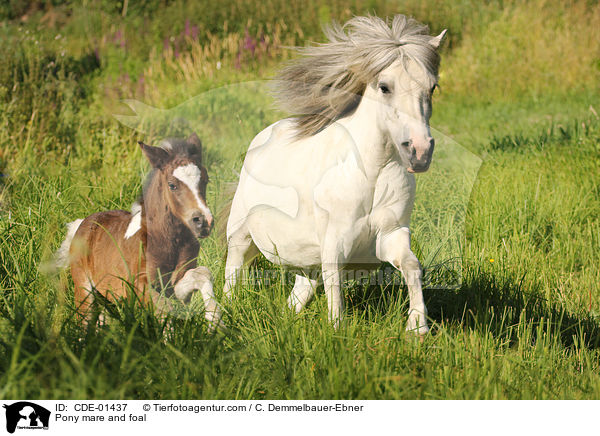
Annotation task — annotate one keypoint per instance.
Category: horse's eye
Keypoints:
(384, 88)
(172, 187)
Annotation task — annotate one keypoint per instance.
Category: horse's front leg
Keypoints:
(303, 292)
(332, 284)
(394, 248)
(201, 279)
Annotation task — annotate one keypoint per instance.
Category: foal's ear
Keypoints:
(436, 41)
(157, 156)
(194, 141)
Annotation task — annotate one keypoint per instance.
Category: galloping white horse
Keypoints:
(334, 187)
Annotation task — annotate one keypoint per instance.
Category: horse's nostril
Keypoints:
(196, 219)
(405, 144)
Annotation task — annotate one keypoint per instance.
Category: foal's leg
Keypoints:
(240, 250)
(395, 249)
(303, 292)
(83, 301)
(201, 279)
(83, 296)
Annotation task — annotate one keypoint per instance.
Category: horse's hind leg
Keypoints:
(201, 279)
(83, 294)
(302, 293)
(240, 250)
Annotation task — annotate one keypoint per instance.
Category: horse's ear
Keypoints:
(157, 156)
(436, 41)
(195, 141)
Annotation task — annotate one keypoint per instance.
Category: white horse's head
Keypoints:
(404, 91)
(393, 61)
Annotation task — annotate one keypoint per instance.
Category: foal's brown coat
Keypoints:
(163, 249)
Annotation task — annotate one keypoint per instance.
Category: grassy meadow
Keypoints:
(520, 96)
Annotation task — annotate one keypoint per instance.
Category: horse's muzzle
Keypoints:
(201, 225)
(421, 156)
(419, 168)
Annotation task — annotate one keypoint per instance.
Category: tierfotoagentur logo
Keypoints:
(26, 416)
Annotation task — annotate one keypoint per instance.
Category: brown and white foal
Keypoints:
(153, 246)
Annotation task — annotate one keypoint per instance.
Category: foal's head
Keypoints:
(182, 181)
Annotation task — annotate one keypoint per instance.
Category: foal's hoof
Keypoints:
(215, 321)
(216, 327)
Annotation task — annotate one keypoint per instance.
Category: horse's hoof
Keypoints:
(419, 333)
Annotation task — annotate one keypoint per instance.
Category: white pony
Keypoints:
(334, 187)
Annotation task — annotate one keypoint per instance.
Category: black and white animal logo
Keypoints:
(26, 415)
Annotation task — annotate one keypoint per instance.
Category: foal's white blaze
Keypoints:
(190, 176)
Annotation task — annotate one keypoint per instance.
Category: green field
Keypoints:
(520, 95)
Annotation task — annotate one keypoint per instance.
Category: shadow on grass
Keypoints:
(488, 303)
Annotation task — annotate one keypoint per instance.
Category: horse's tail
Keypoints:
(61, 257)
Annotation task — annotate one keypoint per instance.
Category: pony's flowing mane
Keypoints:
(328, 82)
